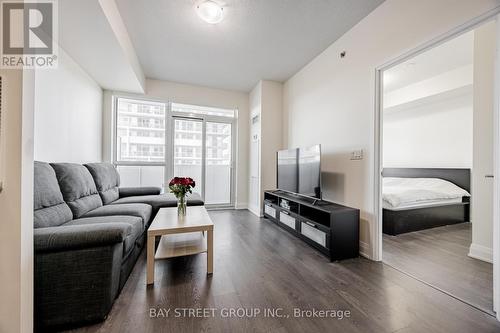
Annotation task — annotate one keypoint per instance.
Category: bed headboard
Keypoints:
(459, 177)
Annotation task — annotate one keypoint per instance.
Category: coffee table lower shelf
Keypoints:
(178, 245)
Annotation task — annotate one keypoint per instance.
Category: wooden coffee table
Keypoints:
(180, 237)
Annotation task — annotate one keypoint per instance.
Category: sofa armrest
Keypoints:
(79, 236)
(138, 191)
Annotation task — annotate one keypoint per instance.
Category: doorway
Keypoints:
(203, 151)
(434, 137)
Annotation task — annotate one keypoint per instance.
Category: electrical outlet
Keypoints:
(357, 155)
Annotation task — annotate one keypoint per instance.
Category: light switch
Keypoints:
(357, 155)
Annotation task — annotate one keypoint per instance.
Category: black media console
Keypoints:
(330, 228)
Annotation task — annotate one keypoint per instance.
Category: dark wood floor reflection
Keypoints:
(439, 257)
(258, 265)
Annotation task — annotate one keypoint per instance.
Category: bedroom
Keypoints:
(438, 164)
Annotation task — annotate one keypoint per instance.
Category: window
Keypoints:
(140, 129)
(156, 141)
(194, 110)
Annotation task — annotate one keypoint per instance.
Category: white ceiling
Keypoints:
(258, 39)
(89, 33)
(458, 52)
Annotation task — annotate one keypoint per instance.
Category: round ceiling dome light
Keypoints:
(210, 12)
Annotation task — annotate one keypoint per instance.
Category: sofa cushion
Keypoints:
(137, 191)
(50, 210)
(160, 201)
(77, 237)
(134, 233)
(77, 187)
(106, 180)
(138, 209)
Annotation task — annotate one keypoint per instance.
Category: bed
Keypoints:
(422, 198)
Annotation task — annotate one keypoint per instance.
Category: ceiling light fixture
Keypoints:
(210, 12)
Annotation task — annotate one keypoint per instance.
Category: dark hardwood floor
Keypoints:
(259, 265)
(439, 257)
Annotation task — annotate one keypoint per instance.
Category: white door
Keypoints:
(483, 160)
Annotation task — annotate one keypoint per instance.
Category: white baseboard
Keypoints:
(255, 210)
(481, 252)
(364, 249)
(242, 205)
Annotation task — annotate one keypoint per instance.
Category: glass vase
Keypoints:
(181, 206)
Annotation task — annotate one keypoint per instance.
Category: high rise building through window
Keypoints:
(140, 130)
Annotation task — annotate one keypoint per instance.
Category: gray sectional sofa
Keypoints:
(88, 235)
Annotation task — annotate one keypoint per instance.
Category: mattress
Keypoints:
(422, 204)
(411, 193)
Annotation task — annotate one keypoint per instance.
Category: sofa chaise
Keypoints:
(88, 235)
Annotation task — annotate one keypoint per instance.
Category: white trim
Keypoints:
(203, 159)
(2, 141)
(216, 207)
(496, 180)
(364, 249)
(255, 210)
(376, 238)
(480, 252)
(242, 205)
(461, 29)
(169, 144)
(378, 119)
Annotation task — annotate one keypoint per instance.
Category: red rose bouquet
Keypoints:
(180, 187)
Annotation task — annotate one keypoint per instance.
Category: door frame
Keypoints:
(377, 239)
(204, 119)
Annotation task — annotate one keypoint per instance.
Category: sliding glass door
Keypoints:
(218, 161)
(155, 141)
(188, 151)
(203, 150)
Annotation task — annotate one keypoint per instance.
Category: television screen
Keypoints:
(309, 171)
(299, 171)
(288, 170)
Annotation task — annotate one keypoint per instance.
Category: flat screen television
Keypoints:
(299, 171)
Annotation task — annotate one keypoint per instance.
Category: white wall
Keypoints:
(331, 100)
(272, 134)
(254, 158)
(16, 203)
(198, 95)
(434, 87)
(68, 114)
(428, 124)
(112, 13)
(432, 136)
(482, 188)
(93, 33)
(266, 138)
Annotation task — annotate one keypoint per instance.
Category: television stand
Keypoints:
(330, 228)
(319, 203)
